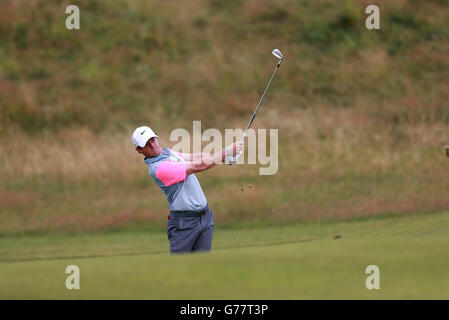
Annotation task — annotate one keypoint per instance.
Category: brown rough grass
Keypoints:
(362, 119)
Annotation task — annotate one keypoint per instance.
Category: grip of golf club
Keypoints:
(234, 158)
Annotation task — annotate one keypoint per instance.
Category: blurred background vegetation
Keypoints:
(362, 114)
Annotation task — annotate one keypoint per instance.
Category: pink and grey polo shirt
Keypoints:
(183, 192)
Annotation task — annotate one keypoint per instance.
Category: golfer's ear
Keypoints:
(138, 150)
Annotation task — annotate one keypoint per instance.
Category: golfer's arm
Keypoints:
(194, 156)
(205, 161)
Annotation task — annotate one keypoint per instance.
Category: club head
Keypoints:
(278, 54)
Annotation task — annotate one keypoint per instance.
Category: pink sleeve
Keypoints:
(170, 172)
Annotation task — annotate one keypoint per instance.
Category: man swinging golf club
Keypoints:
(190, 225)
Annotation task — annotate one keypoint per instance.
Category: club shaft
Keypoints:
(261, 99)
(235, 157)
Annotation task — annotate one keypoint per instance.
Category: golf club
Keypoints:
(277, 53)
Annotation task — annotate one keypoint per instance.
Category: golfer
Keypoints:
(190, 225)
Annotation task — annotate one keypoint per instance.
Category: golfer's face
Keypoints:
(152, 148)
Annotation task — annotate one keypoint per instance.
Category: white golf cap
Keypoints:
(141, 135)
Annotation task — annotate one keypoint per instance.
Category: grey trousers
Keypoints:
(190, 233)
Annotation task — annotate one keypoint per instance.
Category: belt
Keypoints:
(190, 213)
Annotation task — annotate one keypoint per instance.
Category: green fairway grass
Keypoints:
(302, 261)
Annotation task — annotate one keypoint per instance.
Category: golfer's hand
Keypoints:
(236, 147)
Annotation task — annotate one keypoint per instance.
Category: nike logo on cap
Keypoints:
(143, 132)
